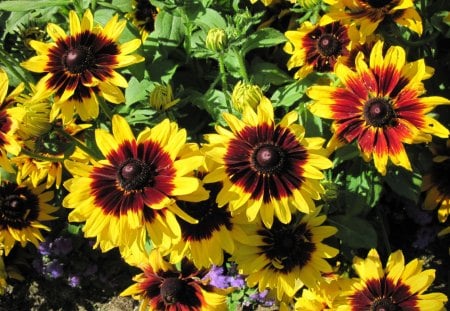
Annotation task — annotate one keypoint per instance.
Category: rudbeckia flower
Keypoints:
(317, 48)
(379, 106)
(321, 297)
(264, 165)
(132, 191)
(161, 286)
(396, 287)
(143, 16)
(22, 210)
(286, 257)
(81, 65)
(368, 14)
(8, 122)
(436, 183)
(205, 242)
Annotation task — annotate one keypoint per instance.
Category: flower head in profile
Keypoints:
(161, 286)
(23, 209)
(205, 242)
(380, 106)
(369, 14)
(161, 97)
(132, 192)
(286, 257)
(316, 47)
(143, 16)
(82, 65)
(9, 120)
(264, 165)
(395, 287)
(321, 297)
(436, 183)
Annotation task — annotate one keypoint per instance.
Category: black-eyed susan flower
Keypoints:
(286, 257)
(23, 208)
(379, 106)
(8, 122)
(369, 14)
(205, 242)
(161, 97)
(321, 297)
(161, 286)
(264, 165)
(132, 191)
(396, 287)
(246, 94)
(81, 65)
(436, 183)
(143, 16)
(317, 48)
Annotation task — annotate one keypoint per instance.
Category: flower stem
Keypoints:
(242, 68)
(384, 234)
(41, 157)
(223, 79)
(78, 143)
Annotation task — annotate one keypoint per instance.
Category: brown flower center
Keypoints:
(328, 45)
(384, 304)
(268, 158)
(135, 174)
(378, 112)
(78, 59)
(377, 4)
(173, 290)
(17, 210)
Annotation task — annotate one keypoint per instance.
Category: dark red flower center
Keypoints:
(328, 45)
(268, 158)
(18, 207)
(384, 304)
(145, 13)
(135, 174)
(378, 3)
(78, 59)
(378, 112)
(173, 290)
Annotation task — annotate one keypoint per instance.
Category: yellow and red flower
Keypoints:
(379, 106)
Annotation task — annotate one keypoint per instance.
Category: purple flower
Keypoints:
(54, 269)
(44, 248)
(237, 281)
(74, 281)
(216, 277)
(62, 246)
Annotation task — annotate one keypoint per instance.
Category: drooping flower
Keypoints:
(132, 191)
(264, 165)
(286, 257)
(436, 183)
(396, 287)
(81, 65)
(369, 14)
(379, 106)
(204, 243)
(8, 122)
(143, 16)
(23, 208)
(161, 97)
(317, 47)
(161, 286)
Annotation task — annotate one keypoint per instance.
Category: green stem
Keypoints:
(105, 108)
(41, 157)
(223, 79)
(78, 143)
(384, 234)
(242, 68)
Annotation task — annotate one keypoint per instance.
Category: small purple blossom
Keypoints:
(217, 278)
(54, 269)
(74, 281)
(44, 248)
(62, 246)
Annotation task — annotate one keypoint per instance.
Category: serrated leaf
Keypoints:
(263, 38)
(354, 231)
(169, 29)
(23, 6)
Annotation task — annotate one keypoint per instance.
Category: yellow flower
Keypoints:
(161, 97)
(246, 94)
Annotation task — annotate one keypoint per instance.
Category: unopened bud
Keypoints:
(216, 40)
(161, 98)
(307, 4)
(246, 94)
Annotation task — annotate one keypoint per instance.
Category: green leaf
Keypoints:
(263, 38)
(405, 183)
(136, 91)
(288, 94)
(211, 19)
(22, 6)
(354, 232)
(122, 5)
(264, 73)
(169, 29)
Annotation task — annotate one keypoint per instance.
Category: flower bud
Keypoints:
(308, 4)
(246, 94)
(216, 40)
(161, 98)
